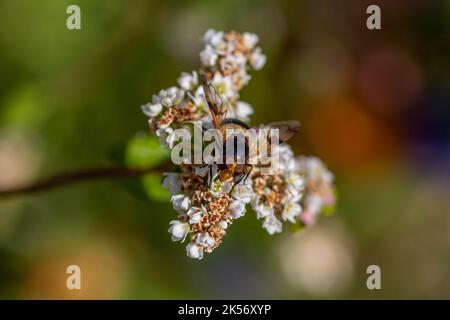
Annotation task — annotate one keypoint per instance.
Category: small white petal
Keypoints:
(237, 209)
(208, 56)
(295, 181)
(179, 230)
(166, 136)
(291, 211)
(194, 251)
(272, 225)
(188, 81)
(151, 110)
(209, 34)
(313, 204)
(243, 192)
(195, 214)
(199, 98)
(223, 85)
(250, 40)
(171, 96)
(180, 202)
(257, 59)
(201, 171)
(204, 239)
(263, 211)
(243, 110)
(223, 224)
(156, 99)
(172, 182)
(219, 188)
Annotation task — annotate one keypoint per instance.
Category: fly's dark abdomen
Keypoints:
(236, 122)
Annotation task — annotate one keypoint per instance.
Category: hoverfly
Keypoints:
(239, 167)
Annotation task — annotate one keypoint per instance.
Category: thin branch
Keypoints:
(78, 176)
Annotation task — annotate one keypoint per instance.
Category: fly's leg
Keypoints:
(242, 176)
(210, 177)
(248, 173)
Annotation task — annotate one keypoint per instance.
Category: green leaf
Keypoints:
(144, 151)
(24, 108)
(153, 187)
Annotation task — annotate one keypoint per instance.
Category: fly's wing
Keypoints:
(287, 129)
(211, 101)
(264, 145)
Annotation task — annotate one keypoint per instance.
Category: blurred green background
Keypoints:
(374, 105)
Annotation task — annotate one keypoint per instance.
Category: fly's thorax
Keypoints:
(226, 171)
(236, 141)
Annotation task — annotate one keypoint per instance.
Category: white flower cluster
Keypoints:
(278, 195)
(319, 191)
(225, 59)
(205, 211)
(295, 192)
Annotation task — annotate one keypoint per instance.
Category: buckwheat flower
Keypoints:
(237, 209)
(194, 251)
(250, 40)
(202, 171)
(318, 188)
(180, 202)
(243, 192)
(223, 85)
(243, 110)
(188, 81)
(213, 37)
(179, 230)
(294, 181)
(220, 187)
(156, 99)
(208, 56)
(171, 138)
(272, 225)
(291, 212)
(171, 96)
(195, 214)
(317, 170)
(313, 204)
(167, 136)
(205, 240)
(241, 79)
(222, 224)
(216, 40)
(151, 110)
(208, 35)
(286, 154)
(294, 195)
(286, 161)
(232, 64)
(257, 59)
(172, 182)
(290, 165)
(198, 98)
(263, 211)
